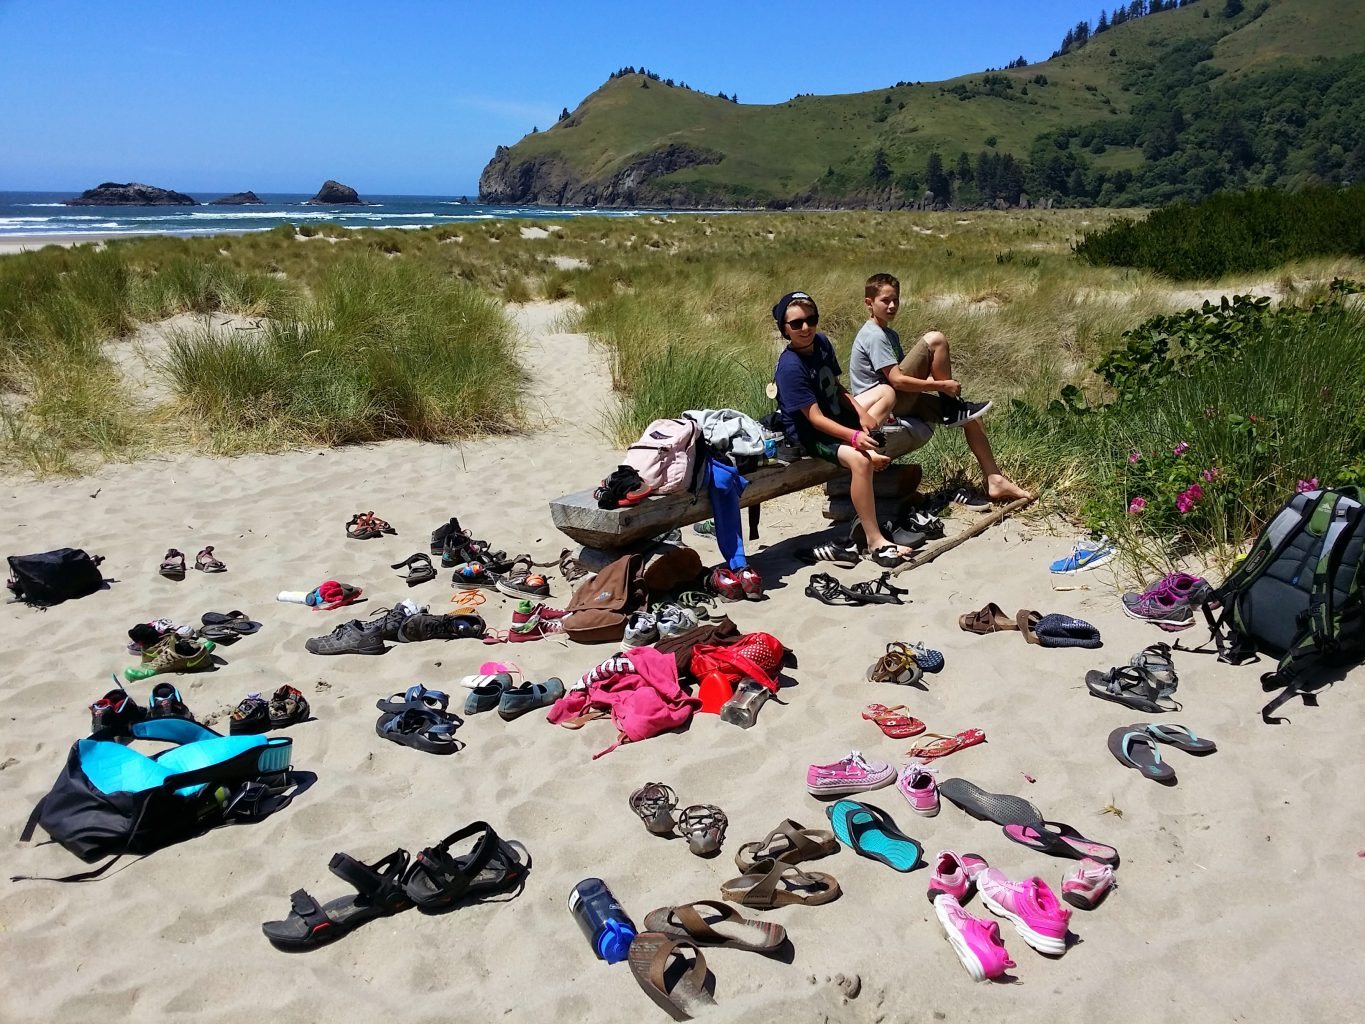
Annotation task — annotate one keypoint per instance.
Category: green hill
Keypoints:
(1167, 105)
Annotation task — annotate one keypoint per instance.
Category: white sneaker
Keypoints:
(642, 629)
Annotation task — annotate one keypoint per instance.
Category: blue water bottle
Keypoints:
(603, 922)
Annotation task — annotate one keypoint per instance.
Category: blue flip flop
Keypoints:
(869, 831)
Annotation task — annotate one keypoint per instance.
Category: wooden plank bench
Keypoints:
(578, 516)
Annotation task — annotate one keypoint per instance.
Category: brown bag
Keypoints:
(675, 569)
(598, 610)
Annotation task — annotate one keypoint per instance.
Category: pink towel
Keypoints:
(640, 689)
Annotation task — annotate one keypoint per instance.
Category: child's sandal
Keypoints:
(173, 565)
(205, 562)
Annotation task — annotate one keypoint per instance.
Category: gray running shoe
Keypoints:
(642, 629)
(354, 637)
(674, 619)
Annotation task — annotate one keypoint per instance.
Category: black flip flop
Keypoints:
(1133, 748)
(1000, 808)
(235, 620)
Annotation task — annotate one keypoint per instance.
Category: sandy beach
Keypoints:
(1233, 897)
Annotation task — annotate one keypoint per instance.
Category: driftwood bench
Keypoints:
(578, 516)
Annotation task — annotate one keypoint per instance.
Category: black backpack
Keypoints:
(111, 799)
(1297, 595)
(54, 576)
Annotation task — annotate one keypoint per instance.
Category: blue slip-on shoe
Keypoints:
(517, 700)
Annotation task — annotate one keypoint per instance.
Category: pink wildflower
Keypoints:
(1195, 492)
(1133, 458)
(1304, 486)
(1210, 474)
(1136, 505)
(1183, 504)
(1181, 448)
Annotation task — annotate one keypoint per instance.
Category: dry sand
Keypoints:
(1234, 897)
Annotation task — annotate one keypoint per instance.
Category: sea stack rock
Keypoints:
(132, 194)
(333, 193)
(238, 199)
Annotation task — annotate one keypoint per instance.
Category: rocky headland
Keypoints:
(134, 193)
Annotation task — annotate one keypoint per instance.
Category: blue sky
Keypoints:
(411, 97)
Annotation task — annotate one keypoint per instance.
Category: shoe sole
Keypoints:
(1042, 943)
(964, 952)
(1000, 808)
(1083, 902)
(854, 790)
(1133, 614)
(972, 418)
(525, 595)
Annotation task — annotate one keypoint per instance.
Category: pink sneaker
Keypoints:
(853, 774)
(953, 875)
(529, 624)
(919, 786)
(1033, 908)
(1086, 885)
(975, 940)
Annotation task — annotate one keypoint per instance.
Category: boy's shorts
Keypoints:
(921, 405)
(826, 447)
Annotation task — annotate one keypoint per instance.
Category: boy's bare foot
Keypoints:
(880, 543)
(879, 462)
(1001, 488)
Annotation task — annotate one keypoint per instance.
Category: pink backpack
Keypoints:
(664, 455)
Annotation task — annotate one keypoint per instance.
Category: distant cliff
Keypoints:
(132, 194)
(549, 181)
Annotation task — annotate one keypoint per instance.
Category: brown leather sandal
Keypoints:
(897, 666)
(791, 842)
(703, 826)
(990, 619)
(773, 883)
(654, 803)
(723, 926)
(681, 996)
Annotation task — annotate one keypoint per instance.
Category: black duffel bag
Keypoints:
(54, 576)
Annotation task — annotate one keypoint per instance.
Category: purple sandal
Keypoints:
(1061, 840)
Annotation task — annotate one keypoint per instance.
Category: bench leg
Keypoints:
(753, 520)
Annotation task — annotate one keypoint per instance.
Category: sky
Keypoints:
(410, 97)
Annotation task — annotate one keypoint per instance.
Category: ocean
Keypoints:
(43, 213)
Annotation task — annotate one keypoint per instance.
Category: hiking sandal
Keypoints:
(571, 568)
(361, 526)
(791, 842)
(654, 803)
(418, 697)
(898, 665)
(173, 565)
(379, 893)
(1155, 662)
(880, 590)
(696, 601)
(775, 883)
(438, 880)
(827, 590)
(1131, 687)
(421, 729)
(420, 569)
(205, 562)
(703, 826)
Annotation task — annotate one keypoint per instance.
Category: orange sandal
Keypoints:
(898, 727)
(942, 746)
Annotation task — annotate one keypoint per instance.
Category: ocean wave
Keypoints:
(39, 204)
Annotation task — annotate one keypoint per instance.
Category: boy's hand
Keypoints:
(866, 422)
(866, 442)
(949, 387)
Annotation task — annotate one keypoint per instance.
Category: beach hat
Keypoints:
(780, 310)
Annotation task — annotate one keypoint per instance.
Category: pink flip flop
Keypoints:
(1061, 840)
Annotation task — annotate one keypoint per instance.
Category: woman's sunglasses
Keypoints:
(798, 324)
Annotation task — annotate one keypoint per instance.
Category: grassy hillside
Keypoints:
(875, 145)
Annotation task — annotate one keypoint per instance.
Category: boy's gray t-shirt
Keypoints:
(873, 348)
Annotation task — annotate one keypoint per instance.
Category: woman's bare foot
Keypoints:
(999, 487)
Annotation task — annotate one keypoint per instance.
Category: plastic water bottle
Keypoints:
(603, 922)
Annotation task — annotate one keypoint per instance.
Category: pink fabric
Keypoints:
(640, 689)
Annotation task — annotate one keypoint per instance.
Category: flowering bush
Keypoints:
(1172, 489)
